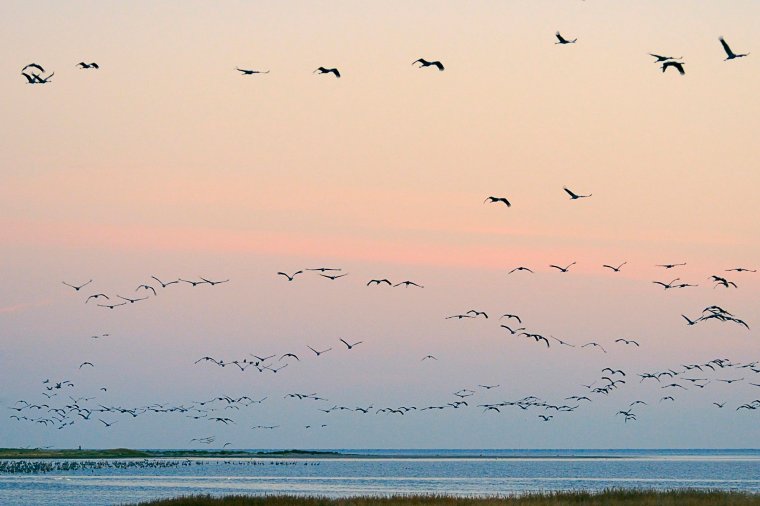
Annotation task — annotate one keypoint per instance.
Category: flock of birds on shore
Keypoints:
(32, 72)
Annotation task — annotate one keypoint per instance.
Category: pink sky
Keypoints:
(166, 161)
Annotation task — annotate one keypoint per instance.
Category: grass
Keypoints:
(606, 498)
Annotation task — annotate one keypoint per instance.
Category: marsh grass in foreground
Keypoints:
(607, 498)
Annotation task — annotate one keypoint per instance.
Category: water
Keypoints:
(384, 472)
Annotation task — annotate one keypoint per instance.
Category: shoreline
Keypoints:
(605, 498)
(127, 453)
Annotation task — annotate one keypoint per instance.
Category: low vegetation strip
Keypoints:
(607, 498)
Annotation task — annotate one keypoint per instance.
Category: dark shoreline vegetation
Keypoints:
(606, 498)
(126, 453)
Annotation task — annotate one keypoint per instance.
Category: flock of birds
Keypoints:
(64, 404)
(32, 72)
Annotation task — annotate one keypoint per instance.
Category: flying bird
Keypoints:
(730, 55)
(521, 268)
(147, 287)
(573, 195)
(670, 266)
(349, 346)
(596, 345)
(247, 72)
(614, 269)
(503, 200)
(660, 58)
(379, 282)
(164, 285)
(77, 288)
(83, 65)
(96, 296)
(34, 66)
(408, 284)
(318, 353)
(333, 277)
(626, 341)
(562, 40)
(563, 269)
(323, 70)
(424, 63)
(290, 276)
(511, 316)
(675, 64)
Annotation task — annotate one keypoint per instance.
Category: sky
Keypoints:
(167, 162)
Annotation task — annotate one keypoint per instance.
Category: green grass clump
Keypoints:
(606, 498)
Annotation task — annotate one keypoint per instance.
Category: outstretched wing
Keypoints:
(573, 195)
(726, 48)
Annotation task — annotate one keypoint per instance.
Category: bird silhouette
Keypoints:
(111, 306)
(34, 66)
(614, 269)
(676, 65)
(425, 63)
(75, 287)
(562, 40)
(349, 346)
(83, 65)
(596, 345)
(147, 287)
(563, 269)
(164, 285)
(247, 72)
(131, 301)
(521, 268)
(503, 200)
(324, 70)
(671, 266)
(290, 276)
(730, 55)
(408, 284)
(575, 196)
(318, 353)
(333, 277)
(379, 282)
(660, 58)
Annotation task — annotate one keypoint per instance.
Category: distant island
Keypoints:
(126, 453)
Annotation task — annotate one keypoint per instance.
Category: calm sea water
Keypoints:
(383, 472)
